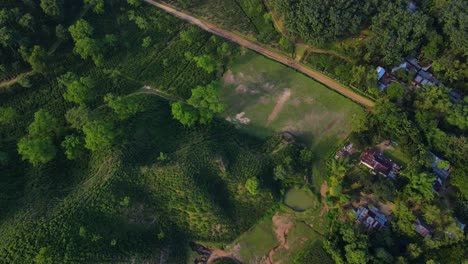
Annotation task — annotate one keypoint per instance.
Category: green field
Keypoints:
(274, 98)
(264, 241)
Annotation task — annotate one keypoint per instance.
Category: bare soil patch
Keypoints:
(323, 193)
(279, 105)
(229, 78)
(282, 225)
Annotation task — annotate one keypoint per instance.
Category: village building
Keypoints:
(370, 218)
(384, 78)
(379, 163)
(345, 152)
(441, 172)
(423, 228)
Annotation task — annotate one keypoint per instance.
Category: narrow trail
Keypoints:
(266, 52)
(13, 80)
(282, 226)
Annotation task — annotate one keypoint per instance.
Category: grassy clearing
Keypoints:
(256, 244)
(398, 156)
(298, 199)
(257, 87)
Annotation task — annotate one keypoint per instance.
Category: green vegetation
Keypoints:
(254, 85)
(298, 199)
(247, 16)
(126, 134)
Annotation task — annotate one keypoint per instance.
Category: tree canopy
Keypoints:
(99, 135)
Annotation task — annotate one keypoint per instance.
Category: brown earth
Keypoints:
(279, 105)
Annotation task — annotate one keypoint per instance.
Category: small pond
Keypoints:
(298, 200)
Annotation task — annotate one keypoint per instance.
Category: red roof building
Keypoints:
(376, 161)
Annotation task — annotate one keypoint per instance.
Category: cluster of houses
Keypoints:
(420, 74)
(369, 216)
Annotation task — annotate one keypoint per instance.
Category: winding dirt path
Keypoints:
(282, 226)
(13, 80)
(266, 52)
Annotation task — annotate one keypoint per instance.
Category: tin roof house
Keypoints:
(371, 218)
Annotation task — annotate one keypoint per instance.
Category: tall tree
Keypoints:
(7, 115)
(99, 135)
(52, 7)
(37, 150)
(124, 107)
(397, 33)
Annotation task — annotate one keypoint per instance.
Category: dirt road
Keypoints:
(266, 52)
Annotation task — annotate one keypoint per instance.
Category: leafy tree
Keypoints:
(7, 115)
(189, 35)
(286, 44)
(38, 59)
(432, 214)
(79, 91)
(455, 24)
(184, 113)
(206, 100)
(24, 81)
(97, 5)
(44, 256)
(99, 135)
(206, 62)
(146, 42)
(432, 49)
(434, 99)
(383, 256)
(124, 107)
(396, 32)
(459, 179)
(450, 68)
(252, 185)
(77, 117)
(306, 157)
(280, 173)
(391, 121)
(319, 22)
(458, 116)
(27, 21)
(419, 187)
(135, 3)
(141, 23)
(395, 90)
(404, 218)
(358, 73)
(414, 250)
(73, 146)
(89, 48)
(52, 7)
(37, 150)
(355, 256)
(44, 124)
(81, 29)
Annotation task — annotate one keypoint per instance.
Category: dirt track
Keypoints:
(266, 52)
